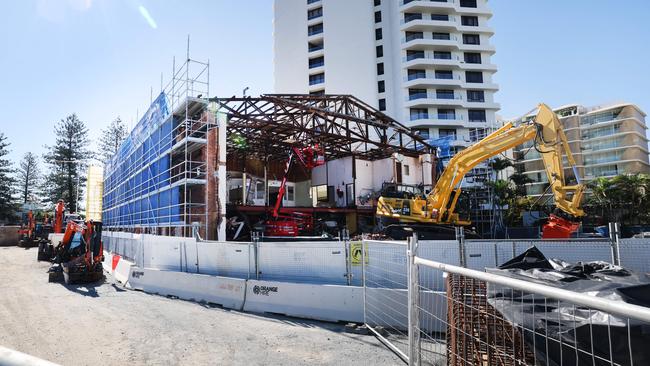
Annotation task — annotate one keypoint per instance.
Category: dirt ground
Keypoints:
(105, 324)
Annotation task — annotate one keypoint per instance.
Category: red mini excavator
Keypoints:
(27, 229)
(78, 257)
(288, 223)
(34, 229)
(45, 248)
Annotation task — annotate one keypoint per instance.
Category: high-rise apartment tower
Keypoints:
(426, 63)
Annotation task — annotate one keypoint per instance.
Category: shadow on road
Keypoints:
(117, 288)
(86, 289)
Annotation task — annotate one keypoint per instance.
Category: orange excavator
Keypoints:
(27, 230)
(45, 248)
(78, 257)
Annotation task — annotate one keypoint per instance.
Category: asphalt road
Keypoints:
(105, 324)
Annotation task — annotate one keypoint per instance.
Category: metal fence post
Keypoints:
(615, 237)
(460, 237)
(348, 257)
(363, 275)
(414, 302)
(256, 241)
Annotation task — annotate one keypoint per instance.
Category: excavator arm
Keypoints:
(548, 138)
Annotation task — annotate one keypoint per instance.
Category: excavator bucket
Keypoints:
(559, 228)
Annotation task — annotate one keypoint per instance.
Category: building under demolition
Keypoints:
(206, 163)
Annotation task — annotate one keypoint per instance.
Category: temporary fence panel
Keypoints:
(480, 254)
(385, 280)
(635, 254)
(572, 250)
(313, 262)
(354, 262)
(447, 251)
(226, 259)
(442, 250)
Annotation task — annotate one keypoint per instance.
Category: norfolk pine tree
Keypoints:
(8, 205)
(67, 160)
(29, 175)
(111, 138)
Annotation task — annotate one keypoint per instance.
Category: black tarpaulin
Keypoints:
(563, 333)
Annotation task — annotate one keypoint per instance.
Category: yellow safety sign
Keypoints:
(355, 253)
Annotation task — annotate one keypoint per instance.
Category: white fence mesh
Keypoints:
(313, 262)
(226, 259)
(635, 254)
(385, 291)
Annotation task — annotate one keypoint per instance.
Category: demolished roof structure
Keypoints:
(341, 124)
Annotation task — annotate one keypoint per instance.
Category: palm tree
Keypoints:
(498, 165)
(502, 195)
(499, 192)
(520, 180)
(623, 198)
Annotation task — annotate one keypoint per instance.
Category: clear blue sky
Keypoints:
(99, 58)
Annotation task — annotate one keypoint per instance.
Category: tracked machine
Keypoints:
(433, 215)
(78, 257)
(46, 247)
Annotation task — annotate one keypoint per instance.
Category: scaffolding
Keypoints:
(156, 181)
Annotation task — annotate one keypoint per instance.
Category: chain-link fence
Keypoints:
(434, 313)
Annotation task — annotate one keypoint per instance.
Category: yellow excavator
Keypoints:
(435, 212)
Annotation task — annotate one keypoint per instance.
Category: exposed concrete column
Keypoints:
(211, 185)
(266, 182)
(221, 174)
(428, 168)
(244, 189)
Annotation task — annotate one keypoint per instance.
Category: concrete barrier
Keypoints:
(122, 270)
(320, 302)
(108, 259)
(227, 292)
(9, 235)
